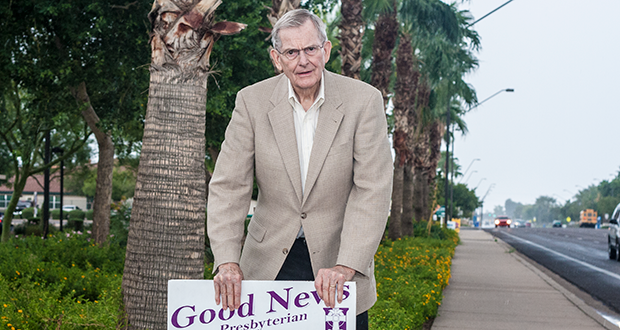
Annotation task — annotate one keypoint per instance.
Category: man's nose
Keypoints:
(303, 58)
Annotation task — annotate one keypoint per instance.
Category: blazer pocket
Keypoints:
(338, 149)
(256, 230)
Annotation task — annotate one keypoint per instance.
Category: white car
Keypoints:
(69, 208)
(613, 235)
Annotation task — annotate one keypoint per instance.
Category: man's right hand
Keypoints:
(227, 285)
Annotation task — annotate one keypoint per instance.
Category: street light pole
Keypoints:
(470, 164)
(472, 173)
(494, 10)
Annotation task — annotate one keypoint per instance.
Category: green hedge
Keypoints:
(63, 282)
(411, 274)
(76, 215)
(27, 213)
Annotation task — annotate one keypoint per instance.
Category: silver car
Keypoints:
(613, 236)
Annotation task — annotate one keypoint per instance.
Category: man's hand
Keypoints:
(329, 283)
(227, 284)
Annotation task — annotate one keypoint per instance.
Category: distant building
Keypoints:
(34, 187)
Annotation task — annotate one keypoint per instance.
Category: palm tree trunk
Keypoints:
(407, 217)
(402, 103)
(351, 32)
(386, 31)
(394, 227)
(436, 133)
(105, 167)
(167, 228)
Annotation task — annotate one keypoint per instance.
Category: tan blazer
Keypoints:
(345, 207)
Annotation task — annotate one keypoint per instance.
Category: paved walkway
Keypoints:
(493, 288)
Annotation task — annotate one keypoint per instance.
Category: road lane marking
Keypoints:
(606, 272)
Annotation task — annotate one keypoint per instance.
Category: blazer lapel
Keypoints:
(283, 126)
(330, 118)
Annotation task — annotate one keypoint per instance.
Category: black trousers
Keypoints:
(298, 267)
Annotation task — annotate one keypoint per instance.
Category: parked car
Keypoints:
(557, 224)
(502, 221)
(1, 217)
(613, 235)
(69, 208)
(21, 205)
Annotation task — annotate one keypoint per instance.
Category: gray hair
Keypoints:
(297, 18)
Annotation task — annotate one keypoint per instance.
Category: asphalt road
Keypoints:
(579, 255)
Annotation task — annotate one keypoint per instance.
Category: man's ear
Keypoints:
(275, 58)
(327, 48)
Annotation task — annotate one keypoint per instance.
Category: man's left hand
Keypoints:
(329, 283)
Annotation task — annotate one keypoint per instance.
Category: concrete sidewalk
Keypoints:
(493, 288)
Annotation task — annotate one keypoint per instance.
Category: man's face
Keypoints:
(304, 71)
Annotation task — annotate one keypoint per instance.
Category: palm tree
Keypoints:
(386, 33)
(351, 33)
(447, 58)
(166, 234)
(421, 21)
(403, 101)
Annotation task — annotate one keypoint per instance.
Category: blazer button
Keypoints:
(303, 215)
(285, 251)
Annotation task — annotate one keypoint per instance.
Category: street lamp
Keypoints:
(448, 157)
(470, 164)
(494, 10)
(482, 204)
(472, 173)
(479, 183)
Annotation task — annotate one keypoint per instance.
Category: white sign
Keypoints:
(265, 305)
(451, 225)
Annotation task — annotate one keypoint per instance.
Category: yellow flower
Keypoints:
(17, 273)
(19, 310)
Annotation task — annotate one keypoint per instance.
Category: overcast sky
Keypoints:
(555, 134)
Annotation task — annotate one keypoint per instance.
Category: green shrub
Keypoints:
(76, 215)
(119, 225)
(76, 225)
(89, 214)
(56, 214)
(411, 274)
(64, 281)
(27, 213)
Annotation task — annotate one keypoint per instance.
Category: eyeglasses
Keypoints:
(292, 54)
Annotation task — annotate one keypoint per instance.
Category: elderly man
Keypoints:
(317, 143)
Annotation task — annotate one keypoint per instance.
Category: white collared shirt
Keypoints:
(305, 127)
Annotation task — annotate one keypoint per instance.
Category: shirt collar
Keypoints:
(320, 98)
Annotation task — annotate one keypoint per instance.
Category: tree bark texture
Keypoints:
(167, 228)
(18, 188)
(105, 167)
(403, 99)
(437, 130)
(394, 226)
(386, 31)
(351, 33)
(406, 224)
